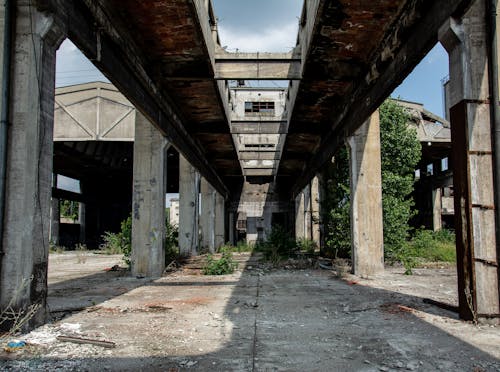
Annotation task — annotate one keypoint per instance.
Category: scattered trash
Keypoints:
(140, 276)
(188, 363)
(13, 346)
(81, 340)
(113, 268)
(352, 282)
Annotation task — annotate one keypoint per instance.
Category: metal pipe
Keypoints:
(4, 115)
(495, 109)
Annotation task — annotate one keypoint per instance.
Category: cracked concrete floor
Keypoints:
(253, 320)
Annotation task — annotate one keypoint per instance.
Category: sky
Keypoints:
(271, 25)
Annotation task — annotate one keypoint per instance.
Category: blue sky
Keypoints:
(271, 25)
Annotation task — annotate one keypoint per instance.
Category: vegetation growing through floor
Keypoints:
(223, 266)
(400, 153)
(121, 242)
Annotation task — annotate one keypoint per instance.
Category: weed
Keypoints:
(241, 246)
(436, 246)
(307, 245)
(224, 265)
(279, 245)
(13, 319)
(81, 250)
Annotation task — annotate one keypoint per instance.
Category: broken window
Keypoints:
(263, 108)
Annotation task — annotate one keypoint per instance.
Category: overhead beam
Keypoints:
(258, 127)
(257, 66)
(371, 92)
(107, 44)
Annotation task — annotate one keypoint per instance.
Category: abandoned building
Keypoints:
(172, 122)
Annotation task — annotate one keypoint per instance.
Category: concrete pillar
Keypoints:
(315, 210)
(307, 212)
(189, 189)
(148, 200)
(207, 218)
(366, 199)
(436, 209)
(23, 273)
(231, 228)
(220, 221)
(466, 41)
(55, 214)
(299, 216)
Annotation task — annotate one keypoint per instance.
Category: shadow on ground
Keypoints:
(260, 320)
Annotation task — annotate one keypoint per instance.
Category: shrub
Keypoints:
(436, 246)
(278, 245)
(307, 245)
(224, 265)
(121, 242)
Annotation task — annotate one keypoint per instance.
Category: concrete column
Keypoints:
(148, 200)
(189, 189)
(466, 41)
(315, 211)
(299, 216)
(366, 199)
(207, 218)
(23, 273)
(220, 221)
(55, 214)
(231, 228)
(436, 209)
(307, 212)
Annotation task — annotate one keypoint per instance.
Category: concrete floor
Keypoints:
(254, 320)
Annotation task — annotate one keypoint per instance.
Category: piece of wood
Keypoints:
(81, 340)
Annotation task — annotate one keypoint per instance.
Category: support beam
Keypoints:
(257, 66)
(148, 206)
(437, 223)
(299, 216)
(315, 211)
(110, 47)
(307, 213)
(55, 214)
(232, 228)
(189, 189)
(220, 221)
(366, 199)
(23, 274)
(477, 262)
(207, 218)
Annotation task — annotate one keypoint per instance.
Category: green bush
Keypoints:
(306, 245)
(121, 242)
(434, 246)
(241, 246)
(278, 245)
(224, 265)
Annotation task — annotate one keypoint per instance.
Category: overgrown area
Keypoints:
(400, 153)
(121, 242)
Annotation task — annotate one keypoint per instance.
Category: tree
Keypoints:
(400, 153)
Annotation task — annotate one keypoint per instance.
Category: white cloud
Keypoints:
(275, 39)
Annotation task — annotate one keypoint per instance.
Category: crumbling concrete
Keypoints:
(474, 181)
(243, 322)
(189, 191)
(148, 208)
(23, 272)
(366, 199)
